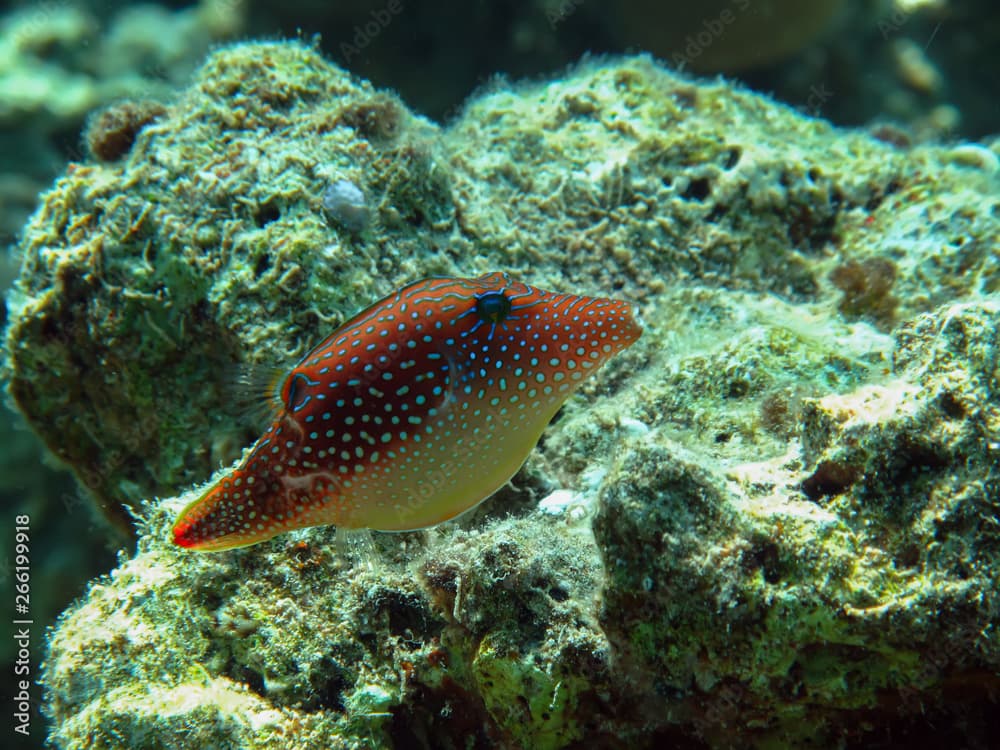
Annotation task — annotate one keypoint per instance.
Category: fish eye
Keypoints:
(293, 402)
(492, 307)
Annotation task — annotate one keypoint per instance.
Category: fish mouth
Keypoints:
(192, 530)
(181, 534)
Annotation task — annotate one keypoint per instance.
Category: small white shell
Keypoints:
(345, 204)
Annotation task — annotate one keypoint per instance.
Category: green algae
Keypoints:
(536, 707)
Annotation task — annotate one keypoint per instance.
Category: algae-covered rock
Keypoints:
(144, 297)
(61, 60)
(144, 281)
(299, 640)
(768, 523)
(858, 571)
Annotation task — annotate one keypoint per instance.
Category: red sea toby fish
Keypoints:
(413, 411)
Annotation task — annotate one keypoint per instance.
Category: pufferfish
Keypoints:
(412, 412)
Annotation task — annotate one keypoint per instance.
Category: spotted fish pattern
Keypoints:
(413, 411)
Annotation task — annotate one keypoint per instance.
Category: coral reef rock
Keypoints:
(60, 60)
(770, 523)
